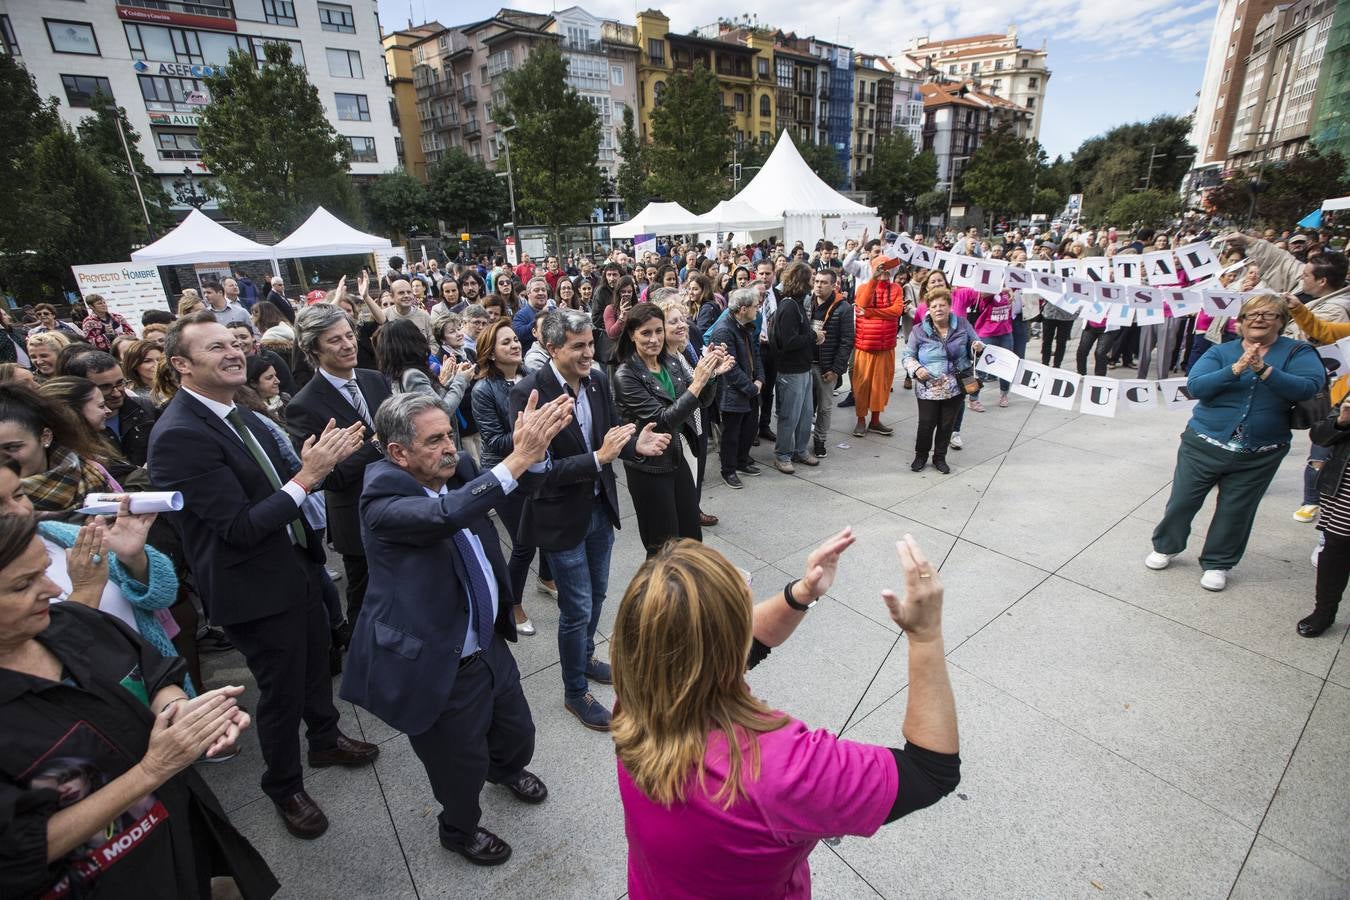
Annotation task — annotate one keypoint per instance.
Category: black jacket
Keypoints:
(281, 303)
(791, 336)
(1328, 434)
(833, 355)
(490, 399)
(641, 399)
(135, 420)
(736, 388)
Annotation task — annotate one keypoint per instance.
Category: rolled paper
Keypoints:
(142, 503)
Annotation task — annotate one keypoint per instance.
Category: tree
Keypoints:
(1287, 191)
(1117, 175)
(398, 203)
(1151, 207)
(267, 140)
(930, 203)
(631, 183)
(823, 160)
(1001, 173)
(898, 174)
(98, 135)
(691, 140)
(1166, 136)
(464, 194)
(24, 119)
(555, 146)
(1047, 201)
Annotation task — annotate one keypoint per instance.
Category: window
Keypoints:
(975, 67)
(1032, 82)
(8, 43)
(656, 51)
(363, 149)
(762, 66)
(353, 108)
(998, 65)
(178, 145)
(71, 37)
(499, 62)
(764, 138)
(765, 106)
(1024, 63)
(658, 90)
(951, 70)
(336, 17)
(784, 72)
(738, 101)
(1031, 103)
(345, 64)
(616, 75)
(80, 89)
(279, 12)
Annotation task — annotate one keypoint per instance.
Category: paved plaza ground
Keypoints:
(1124, 732)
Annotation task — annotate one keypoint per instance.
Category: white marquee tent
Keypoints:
(200, 239)
(786, 187)
(324, 234)
(657, 218)
(737, 215)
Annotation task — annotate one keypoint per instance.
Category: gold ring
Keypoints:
(929, 575)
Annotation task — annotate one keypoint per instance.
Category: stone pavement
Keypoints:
(1124, 732)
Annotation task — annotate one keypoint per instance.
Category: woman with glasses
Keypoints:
(1237, 436)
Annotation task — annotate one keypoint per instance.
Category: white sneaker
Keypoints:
(1214, 579)
(1156, 560)
(956, 440)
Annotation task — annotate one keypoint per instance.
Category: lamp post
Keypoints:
(131, 167)
(510, 182)
(951, 187)
(1257, 186)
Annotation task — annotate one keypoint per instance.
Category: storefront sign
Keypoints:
(184, 120)
(130, 288)
(166, 17)
(177, 70)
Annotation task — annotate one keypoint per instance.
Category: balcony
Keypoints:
(468, 96)
(459, 46)
(824, 93)
(615, 33)
(472, 130)
(764, 76)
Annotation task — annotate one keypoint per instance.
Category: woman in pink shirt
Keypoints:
(992, 316)
(723, 796)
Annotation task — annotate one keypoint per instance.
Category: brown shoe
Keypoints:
(302, 816)
(347, 752)
(706, 520)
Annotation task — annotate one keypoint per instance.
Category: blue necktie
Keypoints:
(479, 592)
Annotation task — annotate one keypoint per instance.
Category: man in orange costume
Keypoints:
(880, 302)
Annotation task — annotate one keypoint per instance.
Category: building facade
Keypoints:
(602, 66)
(1331, 114)
(956, 117)
(1216, 108)
(399, 63)
(152, 57)
(873, 109)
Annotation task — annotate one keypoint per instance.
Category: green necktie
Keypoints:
(237, 421)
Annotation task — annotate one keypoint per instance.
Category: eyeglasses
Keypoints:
(1259, 316)
(118, 385)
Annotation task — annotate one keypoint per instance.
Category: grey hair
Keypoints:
(562, 322)
(742, 298)
(312, 321)
(394, 418)
(662, 294)
(476, 311)
(531, 282)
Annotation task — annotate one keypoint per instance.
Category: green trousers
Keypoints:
(1242, 479)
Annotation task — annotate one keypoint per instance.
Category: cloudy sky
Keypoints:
(1112, 61)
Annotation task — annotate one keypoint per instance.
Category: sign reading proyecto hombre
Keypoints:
(130, 288)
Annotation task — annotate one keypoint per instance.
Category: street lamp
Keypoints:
(1257, 186)
(131, 167)
(510, 184)
(951, 187)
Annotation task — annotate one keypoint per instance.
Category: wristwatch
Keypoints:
(787, 595)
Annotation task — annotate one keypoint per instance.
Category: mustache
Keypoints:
(449, 460)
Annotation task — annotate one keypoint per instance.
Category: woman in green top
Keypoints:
(651, 386)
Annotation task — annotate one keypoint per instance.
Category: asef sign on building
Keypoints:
(130, 288)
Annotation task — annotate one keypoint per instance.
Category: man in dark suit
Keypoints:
(347, 395)
(573, 512)
(277, 297)
(257, 563)
(428, 654)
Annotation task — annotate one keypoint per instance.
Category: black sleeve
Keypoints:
(23, 839)
(758, 652)
(925, 778)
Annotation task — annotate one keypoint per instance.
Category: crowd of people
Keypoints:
(412, 421)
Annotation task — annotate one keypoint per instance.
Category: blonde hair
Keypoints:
(1272, 301)
(189, 302)
(53, 340)
(680, 646)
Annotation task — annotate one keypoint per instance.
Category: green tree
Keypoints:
(24, 119)
(1047, 201)
(898, 175)
(464, 194)
(929, 204)
(555, 146)
(266, 138)
(631, 183)
(823, 160)
(1151, 207)
(1286, 192)
(691, 140)
(1167, 136)
(98, 135)
(1001, 173)
(1117, 175)
(398, 203)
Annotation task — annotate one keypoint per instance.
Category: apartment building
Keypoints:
(873, 109)
(956, 117)
(1235, 28)
(151, 57)
(602, 66)
(399, 63)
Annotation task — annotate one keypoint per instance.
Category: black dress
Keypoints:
(66, 739)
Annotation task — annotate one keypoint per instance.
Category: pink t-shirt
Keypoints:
(995, 312)
(811, 785)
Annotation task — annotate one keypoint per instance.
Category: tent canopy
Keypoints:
(737, 215)
(324, 234)
(200, 239)
(1336, 203)
(786, 186)
(657, 218)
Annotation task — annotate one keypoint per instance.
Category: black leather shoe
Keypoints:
(941, 466)
(347, 752)
(483, 848)
(919, 463)
(767, 434)
(302, 816)
(528, 788)
(1317, 623)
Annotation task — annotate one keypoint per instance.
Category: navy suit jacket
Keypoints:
(405, 648)
(234, 524)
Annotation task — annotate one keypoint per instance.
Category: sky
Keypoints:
(1111, 61)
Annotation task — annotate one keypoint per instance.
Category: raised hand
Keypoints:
(87, 564)
(178, 738)
(823, 563)
(126, 535)
(363, 284)
(536, 426)
(651, 442)
(920, 612)
(322, 453)
(615, 440)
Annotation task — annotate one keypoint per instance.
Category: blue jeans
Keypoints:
(1006, 342)
(1020, 334)
(794, 415)
(582, 576)
(1316, 453)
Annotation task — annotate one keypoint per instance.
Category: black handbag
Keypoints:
(1307, 413)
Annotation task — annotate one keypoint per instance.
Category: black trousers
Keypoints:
(1113, 346)
(1333, 571)
(766, 394)
(738, 432)
(288, 656)
(522, 554)
(666, 504)
(937, 420)
(1056, 332)
(358, 577)
(485, 733)
(1090, 337)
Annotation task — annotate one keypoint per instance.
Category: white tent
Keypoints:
(737, 215)
(324, 234)
(657, 218)
(200, 239)
(787, 187)
(1336, 203)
